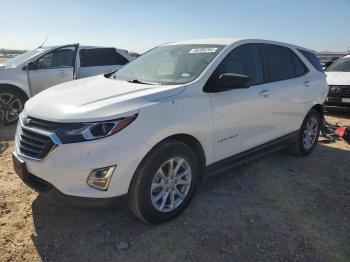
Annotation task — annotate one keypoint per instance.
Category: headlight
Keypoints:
(72, 133)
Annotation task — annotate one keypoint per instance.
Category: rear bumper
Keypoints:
(52, 193)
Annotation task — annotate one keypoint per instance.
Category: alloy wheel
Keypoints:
(171, 184)
(310, 133)
(10, 107)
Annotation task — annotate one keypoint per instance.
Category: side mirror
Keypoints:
(227, 81)
(30, 66)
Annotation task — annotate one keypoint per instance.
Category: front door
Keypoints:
(53, 68)
(242, 117)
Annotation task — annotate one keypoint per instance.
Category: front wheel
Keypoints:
(164, 183)
(308, 135)
(11, 105)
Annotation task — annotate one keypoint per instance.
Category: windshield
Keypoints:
(20, 59)
(341, 65)
(171, 64)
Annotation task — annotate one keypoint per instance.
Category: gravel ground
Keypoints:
(278, 208)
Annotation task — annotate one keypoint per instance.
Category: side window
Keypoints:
(100, 57)
(299, 67)
(244, 60)
(312, 58)
(279, 62)
(119, 59)
(62, 57)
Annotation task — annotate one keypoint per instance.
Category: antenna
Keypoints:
(43, 43)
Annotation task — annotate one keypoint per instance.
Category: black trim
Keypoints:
(52, 193)
(264, 149)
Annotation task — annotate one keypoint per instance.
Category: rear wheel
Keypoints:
(164, 183)
(308, 135)
(11, 105)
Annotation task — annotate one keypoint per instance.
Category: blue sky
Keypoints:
(140, 25)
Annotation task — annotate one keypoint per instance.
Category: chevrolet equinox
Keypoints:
(151, 130)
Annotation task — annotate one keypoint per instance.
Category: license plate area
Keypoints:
(19, 166)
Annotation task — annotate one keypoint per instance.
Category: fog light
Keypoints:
(100, 178)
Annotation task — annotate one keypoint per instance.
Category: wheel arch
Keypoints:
(319, 109)
(189, 140)
(16, 88)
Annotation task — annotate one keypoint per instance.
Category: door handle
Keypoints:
(306, 83)
(62, 74)
(265, 93)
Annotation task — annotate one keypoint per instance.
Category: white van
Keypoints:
(154, 128)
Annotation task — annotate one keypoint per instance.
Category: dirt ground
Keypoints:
(278, 208)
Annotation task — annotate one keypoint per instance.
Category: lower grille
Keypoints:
(34, 145)
(339, 91)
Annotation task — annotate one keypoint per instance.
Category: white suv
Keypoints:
(34, 71)
(153, 129)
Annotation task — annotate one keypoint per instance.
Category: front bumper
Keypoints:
(337, 101)
(67, 167)
(52, 193)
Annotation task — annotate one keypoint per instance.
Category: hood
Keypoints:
(338, 78)
(95, 99)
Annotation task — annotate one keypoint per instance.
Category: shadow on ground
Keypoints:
(338, 112)
(276, 208)
(7, 132)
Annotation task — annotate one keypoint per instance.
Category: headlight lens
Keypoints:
(90, 131)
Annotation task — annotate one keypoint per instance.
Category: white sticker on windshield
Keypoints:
(203, 50)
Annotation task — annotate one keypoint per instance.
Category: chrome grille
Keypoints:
(339, 91)
(33, 145)
(42, 124)
(36, 138)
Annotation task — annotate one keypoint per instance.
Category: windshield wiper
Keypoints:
(136, 81)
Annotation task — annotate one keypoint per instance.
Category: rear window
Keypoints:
(312, 58)
(101, 57)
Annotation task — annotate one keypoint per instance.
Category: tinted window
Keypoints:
(244, 60)
(101, 57)
(62, 57)
(341, 65)
(312, 58)
(299, 67)
(279, 62)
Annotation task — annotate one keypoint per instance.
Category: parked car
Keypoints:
(34, 71)
(338, 78)
(153, 129)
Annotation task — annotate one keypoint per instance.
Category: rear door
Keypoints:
(288, 76)
(97, 61)
(52, 68)
(242, 117)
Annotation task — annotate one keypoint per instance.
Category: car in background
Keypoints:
(338, 78)
(34, 71)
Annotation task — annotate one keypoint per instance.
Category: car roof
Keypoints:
(230, 41)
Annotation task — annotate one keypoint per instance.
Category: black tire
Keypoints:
(139, 195)
(299, 149)
(21, 101)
